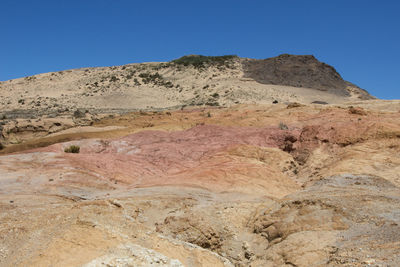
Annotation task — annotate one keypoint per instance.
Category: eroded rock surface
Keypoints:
(249, 185)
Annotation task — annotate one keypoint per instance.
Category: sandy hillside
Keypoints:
(220, 81)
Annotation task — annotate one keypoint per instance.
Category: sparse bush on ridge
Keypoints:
(161, 66)
(199, 61)
(30, 78)
(72, 149)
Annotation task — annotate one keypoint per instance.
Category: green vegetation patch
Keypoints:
(199, 61)
(72, 149)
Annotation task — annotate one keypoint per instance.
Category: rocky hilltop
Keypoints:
(301, 71)
(202, 161)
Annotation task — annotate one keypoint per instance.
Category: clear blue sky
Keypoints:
(360, 38)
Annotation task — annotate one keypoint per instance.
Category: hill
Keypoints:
(190, 80)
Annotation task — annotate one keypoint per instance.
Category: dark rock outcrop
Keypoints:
(298, 71)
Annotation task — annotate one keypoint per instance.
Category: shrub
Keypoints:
(199, 61)
(113, 78)
(212, 103)
(283, 126)
(168, 84)
(130, 75)
(156, 79)
(72, 149)
(148, 77)
(30, 78)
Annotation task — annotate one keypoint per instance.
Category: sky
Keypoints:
(360, 38)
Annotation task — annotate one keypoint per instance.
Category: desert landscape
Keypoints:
(201, 161)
